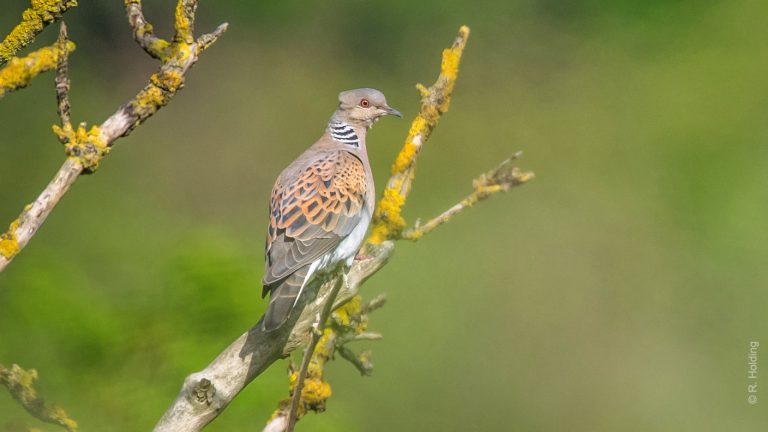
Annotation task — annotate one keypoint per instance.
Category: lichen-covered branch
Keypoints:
(19, 383)
(316, 390)
(86, 147)
(20, 71)
(348, 323)
(499, 179)
(185, 21)
(256, 350)
(33, 21)
(388, 222)
(143, 32)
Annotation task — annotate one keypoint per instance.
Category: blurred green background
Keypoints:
(617, 291)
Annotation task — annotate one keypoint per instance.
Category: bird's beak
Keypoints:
(391, 111)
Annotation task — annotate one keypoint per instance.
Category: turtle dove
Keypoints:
(321, 204)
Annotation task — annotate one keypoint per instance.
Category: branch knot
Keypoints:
(204, 392)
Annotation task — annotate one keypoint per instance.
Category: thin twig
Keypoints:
(296, 397)
(62, 77)
(317, 333)
(374, 303)
(500, 179)
(361, 361)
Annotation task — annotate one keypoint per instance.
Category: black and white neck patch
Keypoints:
(343, 133)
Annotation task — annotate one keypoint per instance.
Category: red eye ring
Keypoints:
(364, 103)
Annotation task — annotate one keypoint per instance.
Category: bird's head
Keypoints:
(363, 107)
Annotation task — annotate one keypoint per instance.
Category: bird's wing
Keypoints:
(312, 211)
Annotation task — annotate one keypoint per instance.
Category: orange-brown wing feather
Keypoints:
(311, 212)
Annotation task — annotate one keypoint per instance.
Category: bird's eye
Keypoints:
(364, 103)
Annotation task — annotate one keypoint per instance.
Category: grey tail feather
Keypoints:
(282, 298)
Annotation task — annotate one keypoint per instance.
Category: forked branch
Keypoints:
(86, 147)
(499, 179)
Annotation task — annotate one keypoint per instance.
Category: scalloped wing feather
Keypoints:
(312, 209)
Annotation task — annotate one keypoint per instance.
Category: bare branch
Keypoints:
(86, 148)
(19, 383)
(500, 179)
(375, 303)
(208, 39)
(33, 21)
(25, 226)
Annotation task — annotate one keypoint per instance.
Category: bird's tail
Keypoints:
(282, 298)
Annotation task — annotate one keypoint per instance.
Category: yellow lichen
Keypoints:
(183, 24)
(388, 221)
(350, 315)
(159, 47)
(149, 100)
(343, 314)
(405, 157)
(315, 392)
(19, 72)
(181, 51)
(33, 20)
(156, 95)
(9, 243)
(422, 89)
(449, 67)
(347, 319)
(170, 81)
(84, 145)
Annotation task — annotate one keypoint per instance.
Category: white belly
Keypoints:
(348, 247)
(345, 251)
